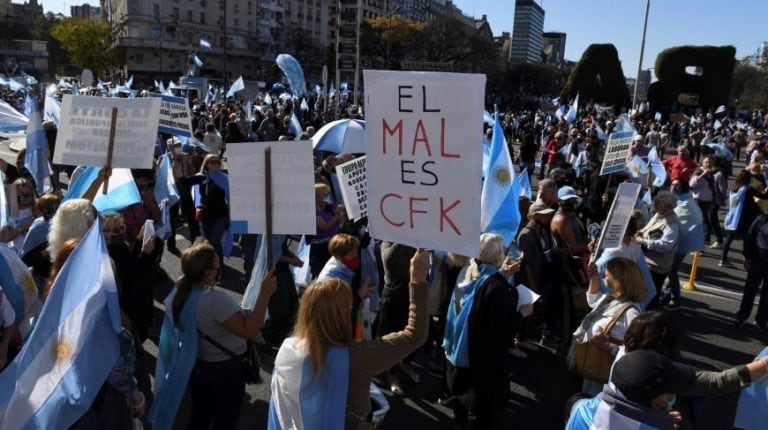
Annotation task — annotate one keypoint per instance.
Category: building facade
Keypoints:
(85, 11)
(553, 48)
(527, 31)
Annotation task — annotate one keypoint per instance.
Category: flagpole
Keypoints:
(642, 51)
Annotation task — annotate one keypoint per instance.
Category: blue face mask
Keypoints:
(327, 198)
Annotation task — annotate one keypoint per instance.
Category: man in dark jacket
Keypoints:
(756, 263)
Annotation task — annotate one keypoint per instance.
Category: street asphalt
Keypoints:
(540, 383)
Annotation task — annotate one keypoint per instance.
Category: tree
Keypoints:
(387, 40)
(750, 87)
(87, 43)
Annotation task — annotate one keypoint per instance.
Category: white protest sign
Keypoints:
(175, 117)
(293, 189)
(616, 152)
(83, 137)
(424, 179)
(354, 187)
(618, 217)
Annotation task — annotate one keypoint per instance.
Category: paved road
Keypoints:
(541, 384)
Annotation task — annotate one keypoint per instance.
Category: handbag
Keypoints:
(249, 359)
(589, 360)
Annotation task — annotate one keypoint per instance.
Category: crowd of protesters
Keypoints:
(372, 306)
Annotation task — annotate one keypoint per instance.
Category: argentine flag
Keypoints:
(51, 108)
(19, 288)
(752, 410)
(524, 185)
(304, 399)
(236, 86)
(36, 159)
(121, 192)
(499, 207)
(570, 116)
(73, 347)
(657, 168)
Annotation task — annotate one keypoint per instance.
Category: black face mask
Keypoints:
(117, 238)
(560, 183)
(568, 206)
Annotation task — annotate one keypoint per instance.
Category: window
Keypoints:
(139, 58)
(189, 15)
(134, 6)
(175, 13)
(156, 10)
(202, 17)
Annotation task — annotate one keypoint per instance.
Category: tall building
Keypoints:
(85, 11)
(527, 32)
(156, 38)
(553, 48)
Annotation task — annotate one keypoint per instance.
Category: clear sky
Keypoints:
(741, 23)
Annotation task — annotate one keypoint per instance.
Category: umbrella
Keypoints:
(345, 136)
(278, 87)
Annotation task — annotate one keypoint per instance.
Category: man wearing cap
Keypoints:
(535, 240)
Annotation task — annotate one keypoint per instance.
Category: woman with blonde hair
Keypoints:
(321, 375)
(622, 303)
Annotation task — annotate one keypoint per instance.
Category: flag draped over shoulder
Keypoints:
(19, 288)
(10, 119)
(735, 207)
(73, 347)
(121, 192)
(36, 159)
(752, 410)
(500, 208)
(175, 360)
(51, 108)
(303, 398)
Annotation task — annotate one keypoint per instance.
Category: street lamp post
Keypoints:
(224, 30)
(642, 51)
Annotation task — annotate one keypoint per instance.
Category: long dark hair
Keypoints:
(742, 179)
(655, 330)
(195, 261)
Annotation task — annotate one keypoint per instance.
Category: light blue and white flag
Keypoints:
(570, 116)
(657, 116)
(75, 90)
(624, 125)
(752, 409)
(11, 120)
(68, 356)
(294, 126)
(165, 184)
(735, 207)
(195, 59)
(51, 108)
(121, 192)
(600, 133)
(5, 208)
(248, 111)
(524, 185)
(717, 125)
(36, 159)
(657, 168)
(19, 288)
(267, 100)
(161, 88)
(12, 83)
(302, 275)
(304, 106)
(636, 168)
(205, 43)
(238, 85)
(303, 398)
(500, 208)
(261, 268)
(560, 112)
(487, 118)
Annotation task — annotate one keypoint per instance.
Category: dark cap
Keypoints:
(643, 374)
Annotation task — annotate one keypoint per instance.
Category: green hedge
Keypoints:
(598, 60)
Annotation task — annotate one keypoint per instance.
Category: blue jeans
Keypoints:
(672, 291)
(213, 230)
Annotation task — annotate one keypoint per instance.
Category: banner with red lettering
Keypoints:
(424, 132)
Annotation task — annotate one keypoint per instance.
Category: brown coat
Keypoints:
(370, 358)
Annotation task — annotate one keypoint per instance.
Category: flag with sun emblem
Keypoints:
(500, 208)
(70, 352)
(19, 288)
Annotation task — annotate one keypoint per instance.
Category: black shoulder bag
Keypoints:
(249, 359)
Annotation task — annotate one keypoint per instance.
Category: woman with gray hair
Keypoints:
(658, 239)
(482, 320)
(71, 221)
